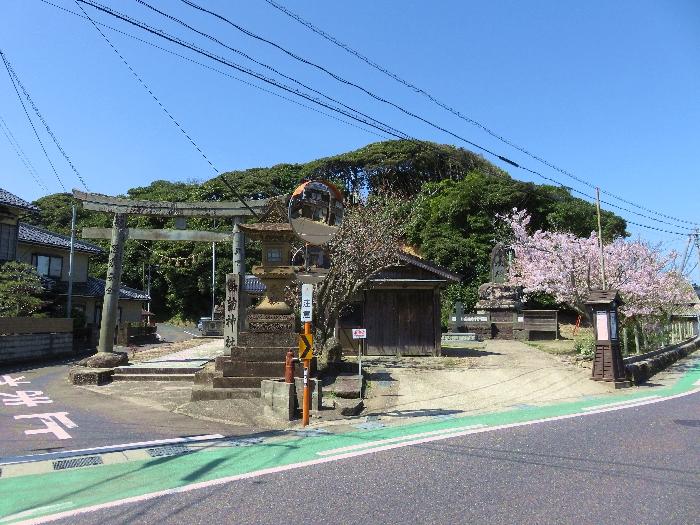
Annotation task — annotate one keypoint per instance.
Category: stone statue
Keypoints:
(499, 263)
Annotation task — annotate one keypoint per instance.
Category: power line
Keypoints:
(248, 57)
(435, 100)
(12, 79)
(337, 77)
(46, 125)
(238, 67)
(201, 64)
(138, 78)
(21, 154)
(192, 47)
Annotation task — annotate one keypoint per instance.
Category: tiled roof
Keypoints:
(8, 199)
(252, 284)
(35, 235)
(430, 266)
(95, 287)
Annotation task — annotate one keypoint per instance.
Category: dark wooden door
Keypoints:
(400, 322)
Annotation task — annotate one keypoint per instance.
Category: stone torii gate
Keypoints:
(119, 233)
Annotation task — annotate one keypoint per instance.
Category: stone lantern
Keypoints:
(607, 364)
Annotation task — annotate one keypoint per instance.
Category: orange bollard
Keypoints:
(289, 368)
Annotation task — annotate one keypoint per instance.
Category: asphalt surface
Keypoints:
(101, 420)
(634, 466)
(170, 333)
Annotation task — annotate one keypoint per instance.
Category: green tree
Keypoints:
(453, 222)
(21, 293)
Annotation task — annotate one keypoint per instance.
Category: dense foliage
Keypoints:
(452, 198)
(21, 293)
(454, 222)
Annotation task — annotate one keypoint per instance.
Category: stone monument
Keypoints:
(501, 301)
(259, 353)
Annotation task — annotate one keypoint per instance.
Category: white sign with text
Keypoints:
(307, 299)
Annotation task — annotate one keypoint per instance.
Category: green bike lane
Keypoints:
(43, 497)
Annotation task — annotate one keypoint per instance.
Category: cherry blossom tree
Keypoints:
(368, 241)
(568, 268)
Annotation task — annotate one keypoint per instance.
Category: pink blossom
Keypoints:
(568, 268)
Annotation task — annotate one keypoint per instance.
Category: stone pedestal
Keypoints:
(502, 303)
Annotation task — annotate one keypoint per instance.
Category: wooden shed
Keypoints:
(401, 310)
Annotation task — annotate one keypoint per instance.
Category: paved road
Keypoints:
(99, 419)
(171, 333)
(638, 465)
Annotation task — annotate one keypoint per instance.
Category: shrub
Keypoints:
(585, 347)
(21, 293)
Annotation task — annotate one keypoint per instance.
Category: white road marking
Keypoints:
(30, 512)
(190, 333)
(27, 398)
(624, 404)
(12, 381)
(319, 461)
(393, 440)
(112, 448)
(52, 424)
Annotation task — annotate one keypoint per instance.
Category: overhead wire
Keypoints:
(162, 34)
(46, 126)
(341, 79)
(217, 58)
(145, 86)
(255, 61)
(21, 154)
(31, 123)
(218, 71)
(452, 110)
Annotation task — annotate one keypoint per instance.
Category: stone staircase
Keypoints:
(155, 371)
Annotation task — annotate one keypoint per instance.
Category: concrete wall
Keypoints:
(80, 260)
(30, 347)
(131, 311)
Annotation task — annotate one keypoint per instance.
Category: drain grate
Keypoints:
(168, 450)
(86, 461)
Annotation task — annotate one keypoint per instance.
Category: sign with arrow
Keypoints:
(306, 342)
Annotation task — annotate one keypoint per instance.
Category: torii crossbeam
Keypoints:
(118, 234)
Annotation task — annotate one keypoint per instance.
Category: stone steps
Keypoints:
(152, 377)
(206, 393)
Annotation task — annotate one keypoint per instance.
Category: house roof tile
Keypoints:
(35, 235)
(9, 199)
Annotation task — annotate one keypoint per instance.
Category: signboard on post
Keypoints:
(307, 294)
(306, 342)
(359, 333)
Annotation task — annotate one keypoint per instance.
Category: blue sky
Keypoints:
(610, 91)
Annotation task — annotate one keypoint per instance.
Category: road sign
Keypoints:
(307, 294)
(359, 333)
(306, 342)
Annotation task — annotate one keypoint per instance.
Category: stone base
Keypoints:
(209, 393)
(278, 399)
(90, 376)
(105, 360)
(316, 393)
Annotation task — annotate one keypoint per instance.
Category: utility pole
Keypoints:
(69, 305)
(148, 290)
(600, 239)
(213, 279)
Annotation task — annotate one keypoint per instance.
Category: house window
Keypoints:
(47, 265)
(8, 242)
